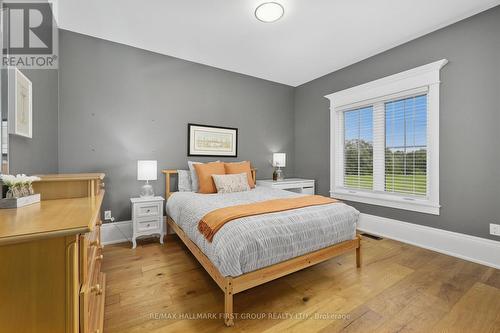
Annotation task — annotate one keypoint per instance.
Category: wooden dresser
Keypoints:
(50, 258)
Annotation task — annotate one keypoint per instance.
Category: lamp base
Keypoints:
(278, 175)
(147, 191)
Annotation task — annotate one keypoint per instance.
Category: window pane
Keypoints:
(406, 146)
(420, 121)
(358, 148)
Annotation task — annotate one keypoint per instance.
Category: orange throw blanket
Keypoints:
(214, 220)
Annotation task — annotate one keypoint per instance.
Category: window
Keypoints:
(406, 146)
(358, 148)
(384, 141)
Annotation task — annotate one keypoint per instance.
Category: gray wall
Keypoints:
(469, 116)
(38, 155)
(119, 104)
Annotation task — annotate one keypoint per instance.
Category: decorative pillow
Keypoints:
(205, 172)
(231, 183)
(240, 167)
(184, 180)
(194, 176)
(195, 186)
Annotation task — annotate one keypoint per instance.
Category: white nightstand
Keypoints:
(297, 185)
(147, 218)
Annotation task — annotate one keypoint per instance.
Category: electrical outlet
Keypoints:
(495, 229)
(107, 215)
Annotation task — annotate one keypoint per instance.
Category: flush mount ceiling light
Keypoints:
(269, 12)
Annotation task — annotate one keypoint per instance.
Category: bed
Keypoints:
(253, 250)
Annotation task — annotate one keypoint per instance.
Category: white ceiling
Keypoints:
(314, 38)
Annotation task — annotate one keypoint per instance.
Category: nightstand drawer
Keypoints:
(145, 224)
(288, 186)
(308, 190)
(297, 185)
(148, 209)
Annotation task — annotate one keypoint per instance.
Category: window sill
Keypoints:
(387, 200)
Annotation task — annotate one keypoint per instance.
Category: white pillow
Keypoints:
(237, 182)
(195, 186)
(184, 181)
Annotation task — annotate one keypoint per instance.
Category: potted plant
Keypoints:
(19, 191)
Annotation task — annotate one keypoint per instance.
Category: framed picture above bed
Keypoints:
(214, 141)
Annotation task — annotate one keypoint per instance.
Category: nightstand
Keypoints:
(147, 218)
(297, 185)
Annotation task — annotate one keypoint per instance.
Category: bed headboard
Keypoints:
(170, 173)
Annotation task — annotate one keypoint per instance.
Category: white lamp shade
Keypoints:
(146, 170)
(279, 159)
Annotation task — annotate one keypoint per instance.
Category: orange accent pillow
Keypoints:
(240, 167)
(205, 172)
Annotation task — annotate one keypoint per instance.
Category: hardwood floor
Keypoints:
(400, 288)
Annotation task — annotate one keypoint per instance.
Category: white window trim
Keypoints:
(410, 82)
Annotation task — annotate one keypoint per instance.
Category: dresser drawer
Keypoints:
(92, 304)
(96, 306)
(146, 224)
(148, 209)
(90, 249)
(95, 258)
(92, 292)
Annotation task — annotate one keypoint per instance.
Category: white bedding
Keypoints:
(250, 243)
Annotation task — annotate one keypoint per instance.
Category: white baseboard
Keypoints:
(479, 250)
(116, 232)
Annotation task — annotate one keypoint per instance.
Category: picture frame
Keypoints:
(212, 141)
(20, 103)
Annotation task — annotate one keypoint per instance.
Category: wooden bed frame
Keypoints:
(233, 285)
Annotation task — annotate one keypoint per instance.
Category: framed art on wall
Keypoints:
(20, 104)
(215, 141)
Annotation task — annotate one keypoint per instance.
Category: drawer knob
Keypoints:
(96, 289)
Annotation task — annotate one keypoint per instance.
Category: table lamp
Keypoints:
(147, 170)
(279, 161)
